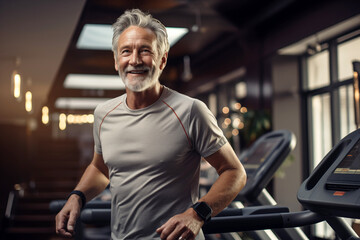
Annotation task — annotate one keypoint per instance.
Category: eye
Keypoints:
(145, 51)
(125, 52)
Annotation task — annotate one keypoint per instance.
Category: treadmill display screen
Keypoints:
(351, 163)
(255, 158)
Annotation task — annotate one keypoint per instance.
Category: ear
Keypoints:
(115, 63)
(163, 61)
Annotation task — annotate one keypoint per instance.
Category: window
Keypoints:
(327, 87)
(347, 52)
(347, 123)
(318, 70)
(321, 125)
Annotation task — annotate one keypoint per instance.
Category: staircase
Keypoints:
(54, 172)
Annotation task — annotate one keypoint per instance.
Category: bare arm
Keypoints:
(95, 178)
(232, 178)
(93, 181)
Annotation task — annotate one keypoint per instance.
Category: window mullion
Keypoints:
(334, 93)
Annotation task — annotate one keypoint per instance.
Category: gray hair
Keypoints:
(136, 17)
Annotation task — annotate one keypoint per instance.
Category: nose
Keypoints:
(135, 59)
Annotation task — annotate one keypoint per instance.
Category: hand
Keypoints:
(66, 218)
(183, 226)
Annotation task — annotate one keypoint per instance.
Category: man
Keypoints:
(148, 146)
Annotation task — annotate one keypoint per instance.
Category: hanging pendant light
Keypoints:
(16, 81)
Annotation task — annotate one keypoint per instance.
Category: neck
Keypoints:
(138, 100)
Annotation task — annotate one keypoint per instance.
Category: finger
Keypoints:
(60, 221)
(64, 233)
(187, 235)
(177, 233)
(167, 229)
(72, 222)
(160, 229)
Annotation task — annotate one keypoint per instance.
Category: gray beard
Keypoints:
(141, 83)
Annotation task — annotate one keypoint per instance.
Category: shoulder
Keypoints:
(186, 106)
(177, 99)
(108, 105)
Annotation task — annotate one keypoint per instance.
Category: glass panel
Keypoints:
(321, 125)
(318, 70)
(347, 52)
(347, 118)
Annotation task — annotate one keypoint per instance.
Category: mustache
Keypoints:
(141, 68)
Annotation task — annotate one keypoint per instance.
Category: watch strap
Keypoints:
(203, 210)
(81, 195)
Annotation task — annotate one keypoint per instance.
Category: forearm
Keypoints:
(225, 189)
(92, 182)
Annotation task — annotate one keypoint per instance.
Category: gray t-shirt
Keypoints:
(153, 155)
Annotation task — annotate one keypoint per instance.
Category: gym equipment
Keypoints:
(330, 192)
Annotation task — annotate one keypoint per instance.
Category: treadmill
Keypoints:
(331, 192)
(261, 161)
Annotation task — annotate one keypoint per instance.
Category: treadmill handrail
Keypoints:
(56, 205)
(261, 222)
(231, 223)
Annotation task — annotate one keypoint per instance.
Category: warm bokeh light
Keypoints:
(236, 123)
(225, 110)
(243, 110)
(227, 121)
(235, 132)
(28, 101)
(237, 106)
(17, 85)
(80, 119)
(45, 115)
(90, 118)
(62, 121)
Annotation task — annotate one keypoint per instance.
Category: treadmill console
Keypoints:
(333, 187)
(346, 176)
(257, 156)
(263, 159)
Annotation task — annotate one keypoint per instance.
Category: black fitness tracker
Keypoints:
(203, 210)
(81, 195)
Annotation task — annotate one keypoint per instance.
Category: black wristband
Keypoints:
(81, 195)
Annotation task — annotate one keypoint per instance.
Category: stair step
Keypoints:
(31, 230)
(60, 156)
(33, 220)
(61, 145)
(39, 233)
(55, 173)
(55, 185)
(56, 164)
(36, 233)
(42, 197)
(33, 208)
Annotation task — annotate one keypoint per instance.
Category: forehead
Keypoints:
(135, 34)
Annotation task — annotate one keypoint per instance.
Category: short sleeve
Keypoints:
(96, 131)
(206, 136)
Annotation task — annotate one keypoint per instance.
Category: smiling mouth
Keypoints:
(137, 71)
